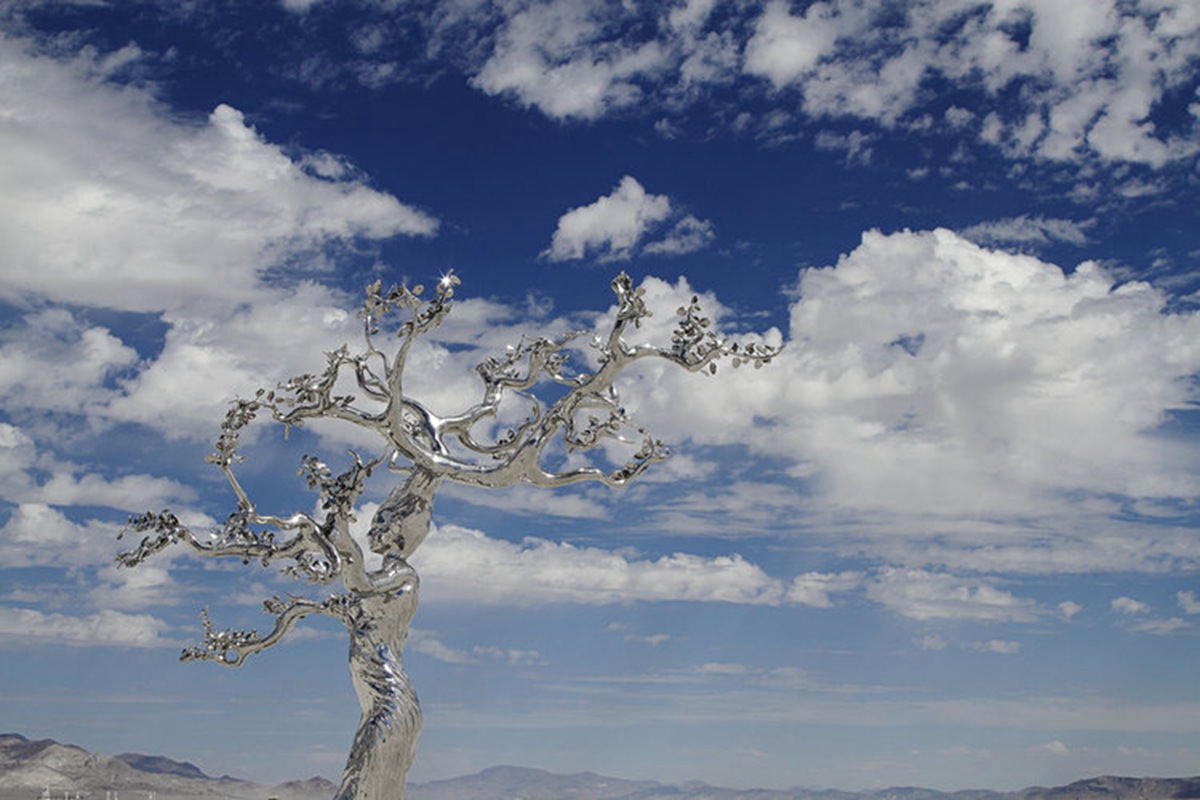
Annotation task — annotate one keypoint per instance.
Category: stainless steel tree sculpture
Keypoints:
(377, 604)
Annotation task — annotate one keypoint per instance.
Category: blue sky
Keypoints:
(948, 538)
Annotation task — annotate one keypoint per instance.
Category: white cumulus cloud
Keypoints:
(924, 373)
(105, 627)
(557, 57)
(113, 201)
(785, 47)
(459, 564)
(614, 227)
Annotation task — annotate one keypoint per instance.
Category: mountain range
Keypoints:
(29, 767)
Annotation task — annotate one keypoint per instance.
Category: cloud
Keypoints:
(1000, 646)
(1106, 81)
(926, 375)
(36, 535)
(653, 639)
(299, 6)
(613, 227)
(1087, 78)
(785, 47)
(1136, 611)
(1188, 602)
(54, 362)
(931, 642)
(679, 406)
(1161, 627)
(921, 595)
(727, 509)
(1092, 79)
(114, 201)
(560, 58)
(33, 477)
(209, 359)
(687, 235)
(877, 79)
(429, 644)
(147, 586)
(107, 627)
(1129, 606)
(1068, 610)
(458, 564)
(530, 501)
(118, 202)
(813, 588)
(945, 405)
(1024, 230)
(1090, 541)
(856, 145)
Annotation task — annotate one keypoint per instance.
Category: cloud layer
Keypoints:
(1054, 82)
(958, 410)
(467, 565)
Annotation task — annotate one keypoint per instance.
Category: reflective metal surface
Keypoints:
(377, 606)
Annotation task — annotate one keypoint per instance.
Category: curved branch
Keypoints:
(652, 451)
(321, 551)
(424, 318)
(520, 369)
(231, 647)
(310, 396)
(371, 384)
(694, 347)
(316, 559)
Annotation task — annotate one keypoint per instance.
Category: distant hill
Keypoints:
(532, 784)
(1113, 788)
(517, 783)
(27, 767)
(162, 765)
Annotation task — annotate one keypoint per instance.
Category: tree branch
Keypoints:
(520, 369)
(321, 551)
(316, 559)
(232, 646)
(693, 347)
(586, 415)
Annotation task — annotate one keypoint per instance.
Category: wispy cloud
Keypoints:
(922, 595)
(1188, 602)
(1128, 606)
(429, 643)
(107, 627)
(1029, 230)
(1005, 647)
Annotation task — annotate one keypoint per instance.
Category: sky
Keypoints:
(949, 537)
